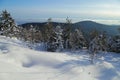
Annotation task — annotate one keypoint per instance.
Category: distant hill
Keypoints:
(40, 26)
(85, 26)
(88, 26)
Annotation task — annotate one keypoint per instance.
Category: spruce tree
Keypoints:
(94, 33)
(49, 35)
(114, 43)
(7, 24)
(77, 40)
(48, 30)
(59, 39)
(97, 44)
(66, 32)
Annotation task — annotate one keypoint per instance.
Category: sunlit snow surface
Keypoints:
(17, 62)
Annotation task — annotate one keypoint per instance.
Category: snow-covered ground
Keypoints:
(17, 62)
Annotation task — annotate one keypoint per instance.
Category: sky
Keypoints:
(103, 11)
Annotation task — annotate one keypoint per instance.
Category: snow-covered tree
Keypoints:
(49, 35)
(48, 30)
(55, 42)
(51, 45)
(94, 33)
(114, 44)
(38, 36)
(7, 24)
(67, 32)
(19, 33)
(59, 39)
(23, 34)
(99, 43)
(31, 34)
(77, 40)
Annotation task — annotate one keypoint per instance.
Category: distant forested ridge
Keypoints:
(86, 27)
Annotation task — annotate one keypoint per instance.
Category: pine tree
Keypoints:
(38, 36)
(51, 45)
(77, 40)
(20, 33)
(67, 32)
(48, 30)
(49, 35)
(55, 42)
(59, 40)
(31, 34)
(115, 44)
(23, 34)
(94, 33)
(7, 24)
(99, 43)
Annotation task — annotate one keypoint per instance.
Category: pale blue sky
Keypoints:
(104, 11)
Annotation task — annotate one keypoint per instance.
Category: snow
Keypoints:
(18, 62)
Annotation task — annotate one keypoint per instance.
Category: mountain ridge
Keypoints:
(85, 26)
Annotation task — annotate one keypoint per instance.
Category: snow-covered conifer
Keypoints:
(59, 39)
(66, 33)
(115, 44)
(77, 40)
(7, 24)
(99, 43)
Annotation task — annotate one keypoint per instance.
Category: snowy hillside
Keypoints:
(17, 62)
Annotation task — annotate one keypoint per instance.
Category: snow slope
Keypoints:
(17, 62)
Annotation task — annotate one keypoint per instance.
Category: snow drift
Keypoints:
(17, 62)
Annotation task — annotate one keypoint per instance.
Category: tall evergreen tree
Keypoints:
(48, 30)
(94, 33)
(59, 40)
(49, 35)
(66, 33)
(32, 34)
(114, 44)
(55, 42)
(99, 43)
(7, 24)
(77, 40)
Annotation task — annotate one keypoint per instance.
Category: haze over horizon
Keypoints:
(102, 11)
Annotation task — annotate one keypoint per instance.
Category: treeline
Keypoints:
(58, 38)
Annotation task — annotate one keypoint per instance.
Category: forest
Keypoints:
(60, 37)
